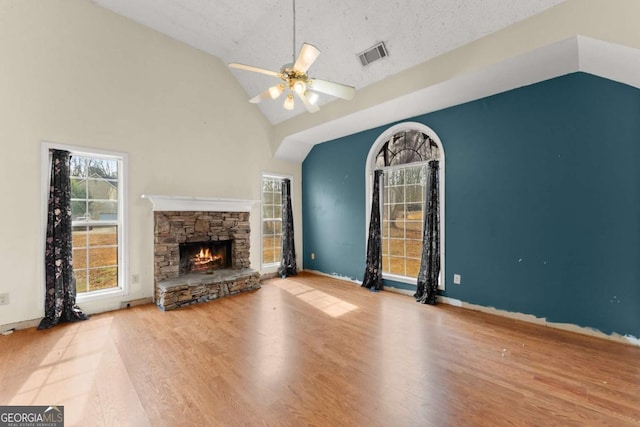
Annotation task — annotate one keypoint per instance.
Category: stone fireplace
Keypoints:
(200, 255)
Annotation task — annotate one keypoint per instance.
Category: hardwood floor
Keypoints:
(312, 350)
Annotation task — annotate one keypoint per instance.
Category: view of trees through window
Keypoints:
(404, 160)
(271, 220)
(402, 219)
(95, 219)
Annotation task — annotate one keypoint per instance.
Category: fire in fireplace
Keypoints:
(205, 256)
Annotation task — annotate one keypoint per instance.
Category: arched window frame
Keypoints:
(369, 171)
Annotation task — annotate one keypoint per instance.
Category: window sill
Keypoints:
(407, 280)
(100, 295)
(270, 268)
(401, 279)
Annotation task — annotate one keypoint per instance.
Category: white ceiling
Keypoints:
(260, 33)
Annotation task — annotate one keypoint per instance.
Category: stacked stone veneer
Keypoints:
(195, 288)
(172, 229)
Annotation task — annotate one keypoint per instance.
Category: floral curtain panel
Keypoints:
(60, 298)
(430, 260)
(288, 261)
(373, 270)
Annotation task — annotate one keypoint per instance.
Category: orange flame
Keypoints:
(204, 258)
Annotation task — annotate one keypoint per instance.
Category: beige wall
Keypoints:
(74, 73)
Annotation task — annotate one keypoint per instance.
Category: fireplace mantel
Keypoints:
(179, 203)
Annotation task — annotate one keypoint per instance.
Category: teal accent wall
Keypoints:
(542, 204)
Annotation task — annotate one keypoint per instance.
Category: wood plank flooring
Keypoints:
(312, 350)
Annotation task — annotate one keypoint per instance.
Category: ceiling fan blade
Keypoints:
(307, 56)
(334, 89)
(254, 69)
(310, 106)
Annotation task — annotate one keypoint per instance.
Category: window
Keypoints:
(403, 152)
(402, 220)
(98, 221)
(271, 220)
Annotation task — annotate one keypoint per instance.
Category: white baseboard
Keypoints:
(135, 302)
(530, 318)
(33, 323)
(626, 339)
(24, 324)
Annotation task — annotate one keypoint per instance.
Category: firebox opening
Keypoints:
(204, 256)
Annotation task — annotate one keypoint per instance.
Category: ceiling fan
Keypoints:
(295, 79)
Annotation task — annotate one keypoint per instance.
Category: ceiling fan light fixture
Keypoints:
(276, 91)
(288, 102)
(296, 80)
(300, 87)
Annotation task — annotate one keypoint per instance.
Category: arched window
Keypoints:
(406, 147)
(402, 153)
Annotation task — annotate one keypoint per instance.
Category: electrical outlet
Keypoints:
(457, 279)
(135, 278)
(4, 298)
(313, 255)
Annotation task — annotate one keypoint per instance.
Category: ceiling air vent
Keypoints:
(373, 54)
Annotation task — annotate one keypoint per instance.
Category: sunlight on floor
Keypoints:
(334, 307)
(66, 375)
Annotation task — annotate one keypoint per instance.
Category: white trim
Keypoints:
(179, 203)
(413, 281)
(273, 266)
(107, 293)
(529, 318)
(123, 213)
(23, 324)
(274, 175)
(84, 151)
(45, 177)
(371, 166)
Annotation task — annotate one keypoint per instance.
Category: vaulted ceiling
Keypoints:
(441, 52)
(261, 33)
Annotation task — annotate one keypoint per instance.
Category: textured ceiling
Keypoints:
(260, 33)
